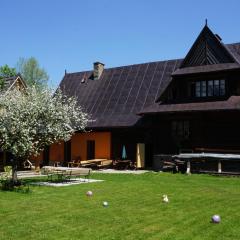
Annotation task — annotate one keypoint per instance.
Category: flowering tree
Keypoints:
(34, 119)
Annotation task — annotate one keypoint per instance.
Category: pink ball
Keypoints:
(89, 193)
(216, 219)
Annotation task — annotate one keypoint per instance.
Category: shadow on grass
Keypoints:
(14, 186)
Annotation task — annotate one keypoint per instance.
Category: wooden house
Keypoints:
(158, 107)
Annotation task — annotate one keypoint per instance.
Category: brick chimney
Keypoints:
(98, 68)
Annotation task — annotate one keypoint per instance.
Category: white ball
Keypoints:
(216, 219)
(89, 193)
(105, 204)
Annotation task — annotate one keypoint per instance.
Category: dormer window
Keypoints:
(209, 88)
(222, 88)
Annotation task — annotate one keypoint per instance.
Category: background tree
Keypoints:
(34, 119)
(32, 73)
(5, 72)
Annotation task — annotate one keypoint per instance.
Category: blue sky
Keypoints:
(72, 34)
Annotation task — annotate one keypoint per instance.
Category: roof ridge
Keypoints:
(158, 61)
(130, 65)
(235, 43)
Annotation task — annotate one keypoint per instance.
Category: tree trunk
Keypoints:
(14, 170)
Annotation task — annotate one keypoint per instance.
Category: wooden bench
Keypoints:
(63, 173)
(78, 172)
(51, 171)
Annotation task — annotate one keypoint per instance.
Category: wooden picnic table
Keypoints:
(98, 162)
(193, 157)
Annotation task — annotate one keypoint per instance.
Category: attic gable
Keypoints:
(207, 50)
(15, 82)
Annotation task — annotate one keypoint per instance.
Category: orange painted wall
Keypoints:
(56, 152)
(102, 144)
(38, 159)
(79, 147)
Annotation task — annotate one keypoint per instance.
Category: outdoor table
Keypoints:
(191, 157)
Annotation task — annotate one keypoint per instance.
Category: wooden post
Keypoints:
(219, 166)
(188, 167)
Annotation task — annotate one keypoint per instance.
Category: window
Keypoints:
(216, 88)
(198, 89)
(222, 88)
(203, 89)
(180, 129)
(209, 88)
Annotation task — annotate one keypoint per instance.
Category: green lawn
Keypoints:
(135, 209)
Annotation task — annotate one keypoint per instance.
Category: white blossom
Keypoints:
(34, 119)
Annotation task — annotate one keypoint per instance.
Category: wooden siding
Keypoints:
(102, 144)
(56, 152)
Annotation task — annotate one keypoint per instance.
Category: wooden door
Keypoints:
(90, 149)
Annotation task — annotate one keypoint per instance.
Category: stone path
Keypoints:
(30, 174)
(73, 181)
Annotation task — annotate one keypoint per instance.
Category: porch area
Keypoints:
(96, 150)
(210, 163)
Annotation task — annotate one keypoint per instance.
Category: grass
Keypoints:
(135, 209)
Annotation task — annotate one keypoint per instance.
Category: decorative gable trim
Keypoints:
(207, 50)
(18, 82)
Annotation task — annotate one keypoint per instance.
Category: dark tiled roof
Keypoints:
(235, 50)
(233, 103)
(206, 69)
(121, 93)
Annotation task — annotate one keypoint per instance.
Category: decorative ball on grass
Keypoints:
(89, 193)
(105, 204)
(216, 219)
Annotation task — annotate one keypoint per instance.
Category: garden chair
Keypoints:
(75, 162)
(28, 165)
(7, 172)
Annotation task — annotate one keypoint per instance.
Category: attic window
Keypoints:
(208, 88)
